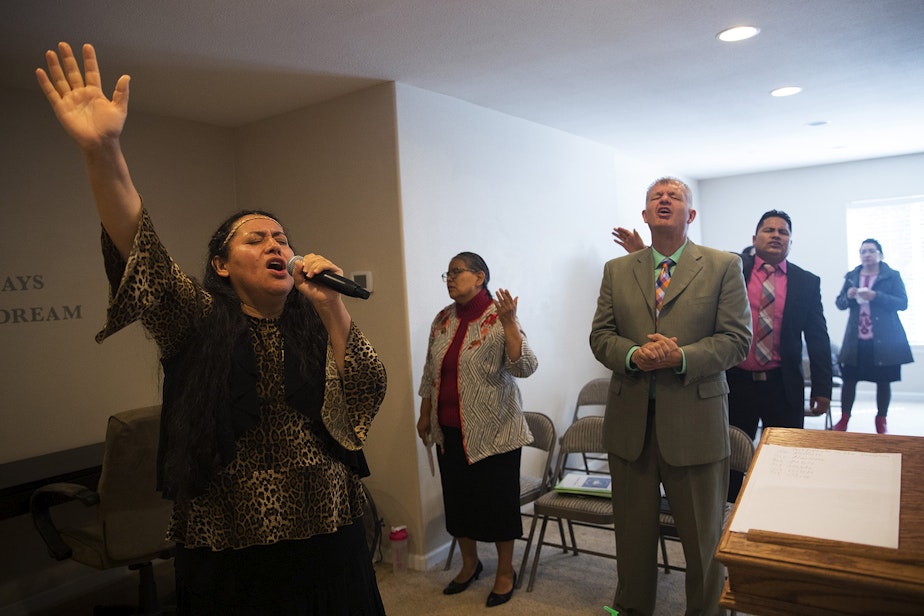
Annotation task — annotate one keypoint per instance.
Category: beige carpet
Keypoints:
(565, 584)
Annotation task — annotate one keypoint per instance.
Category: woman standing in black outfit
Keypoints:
(269, 389)
(875, 345)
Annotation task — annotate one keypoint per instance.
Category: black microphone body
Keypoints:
(331, 281)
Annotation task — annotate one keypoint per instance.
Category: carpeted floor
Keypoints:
(565, 584)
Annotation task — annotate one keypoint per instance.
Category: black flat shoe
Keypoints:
(495, 599)
(456, 587)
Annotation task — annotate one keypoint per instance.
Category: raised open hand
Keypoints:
(77, 99)
(506, 306)
(629, 240)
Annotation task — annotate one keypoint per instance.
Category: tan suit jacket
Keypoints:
(706, 309)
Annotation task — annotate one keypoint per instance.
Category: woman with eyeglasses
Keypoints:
(875, 345)
(472, 410)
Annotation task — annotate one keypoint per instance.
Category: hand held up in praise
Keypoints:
(631, 241)
(91, 119)
(506, 306)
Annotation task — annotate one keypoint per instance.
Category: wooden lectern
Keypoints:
(774, 573)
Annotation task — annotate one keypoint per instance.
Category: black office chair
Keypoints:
(583, 436)
(131, 516)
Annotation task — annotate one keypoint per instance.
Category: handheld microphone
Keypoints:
(331, 281)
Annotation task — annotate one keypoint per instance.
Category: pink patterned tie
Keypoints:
(763, 346)
(664, 279)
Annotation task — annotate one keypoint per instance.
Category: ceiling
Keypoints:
(647, 77)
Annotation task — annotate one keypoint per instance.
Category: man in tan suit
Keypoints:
(667, 408)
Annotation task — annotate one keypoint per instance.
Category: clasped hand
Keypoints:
(659, 352)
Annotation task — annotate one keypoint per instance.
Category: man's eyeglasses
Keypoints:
(455, 272)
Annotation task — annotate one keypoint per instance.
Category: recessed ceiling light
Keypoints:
(786, 91)
(738, 33)
(818, 123)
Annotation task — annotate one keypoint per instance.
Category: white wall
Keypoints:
(539, 205)
(816, 199)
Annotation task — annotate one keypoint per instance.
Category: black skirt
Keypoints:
(481, 500)
(866, 370)
(324, 575)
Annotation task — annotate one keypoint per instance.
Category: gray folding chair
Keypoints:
(592, 394)
(583, 436)
(742, 452)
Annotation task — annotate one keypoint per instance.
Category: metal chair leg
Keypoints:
(667, 567)
(532, 574)
(452, 548)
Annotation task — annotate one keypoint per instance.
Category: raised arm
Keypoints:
(506, 306)
(95, 123)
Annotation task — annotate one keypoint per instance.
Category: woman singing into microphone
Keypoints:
(268, 395)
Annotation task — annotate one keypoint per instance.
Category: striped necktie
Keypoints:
(763, 346)
(664, 279)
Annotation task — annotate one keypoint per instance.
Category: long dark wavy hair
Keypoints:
(201, 391)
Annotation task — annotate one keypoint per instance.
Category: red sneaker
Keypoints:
(880, 425)
(841, 426)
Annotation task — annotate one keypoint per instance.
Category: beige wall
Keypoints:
(57, 385)
(331, 172)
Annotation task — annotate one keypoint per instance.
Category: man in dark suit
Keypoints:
(666, 412)
(771, 392)
(770, 389)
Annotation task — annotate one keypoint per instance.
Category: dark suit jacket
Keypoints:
(706, 308)
(803, 315)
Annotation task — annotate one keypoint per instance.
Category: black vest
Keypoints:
(242, 411)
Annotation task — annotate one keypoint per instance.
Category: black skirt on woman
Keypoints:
(866, 370)
(481, 500)
(325, 575)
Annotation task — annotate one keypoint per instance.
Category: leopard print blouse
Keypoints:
(282, 484)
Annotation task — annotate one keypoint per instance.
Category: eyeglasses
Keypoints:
(455, 272)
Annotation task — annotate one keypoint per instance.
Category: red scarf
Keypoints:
(448, 401)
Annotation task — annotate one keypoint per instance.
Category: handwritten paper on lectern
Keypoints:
(848, 496)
